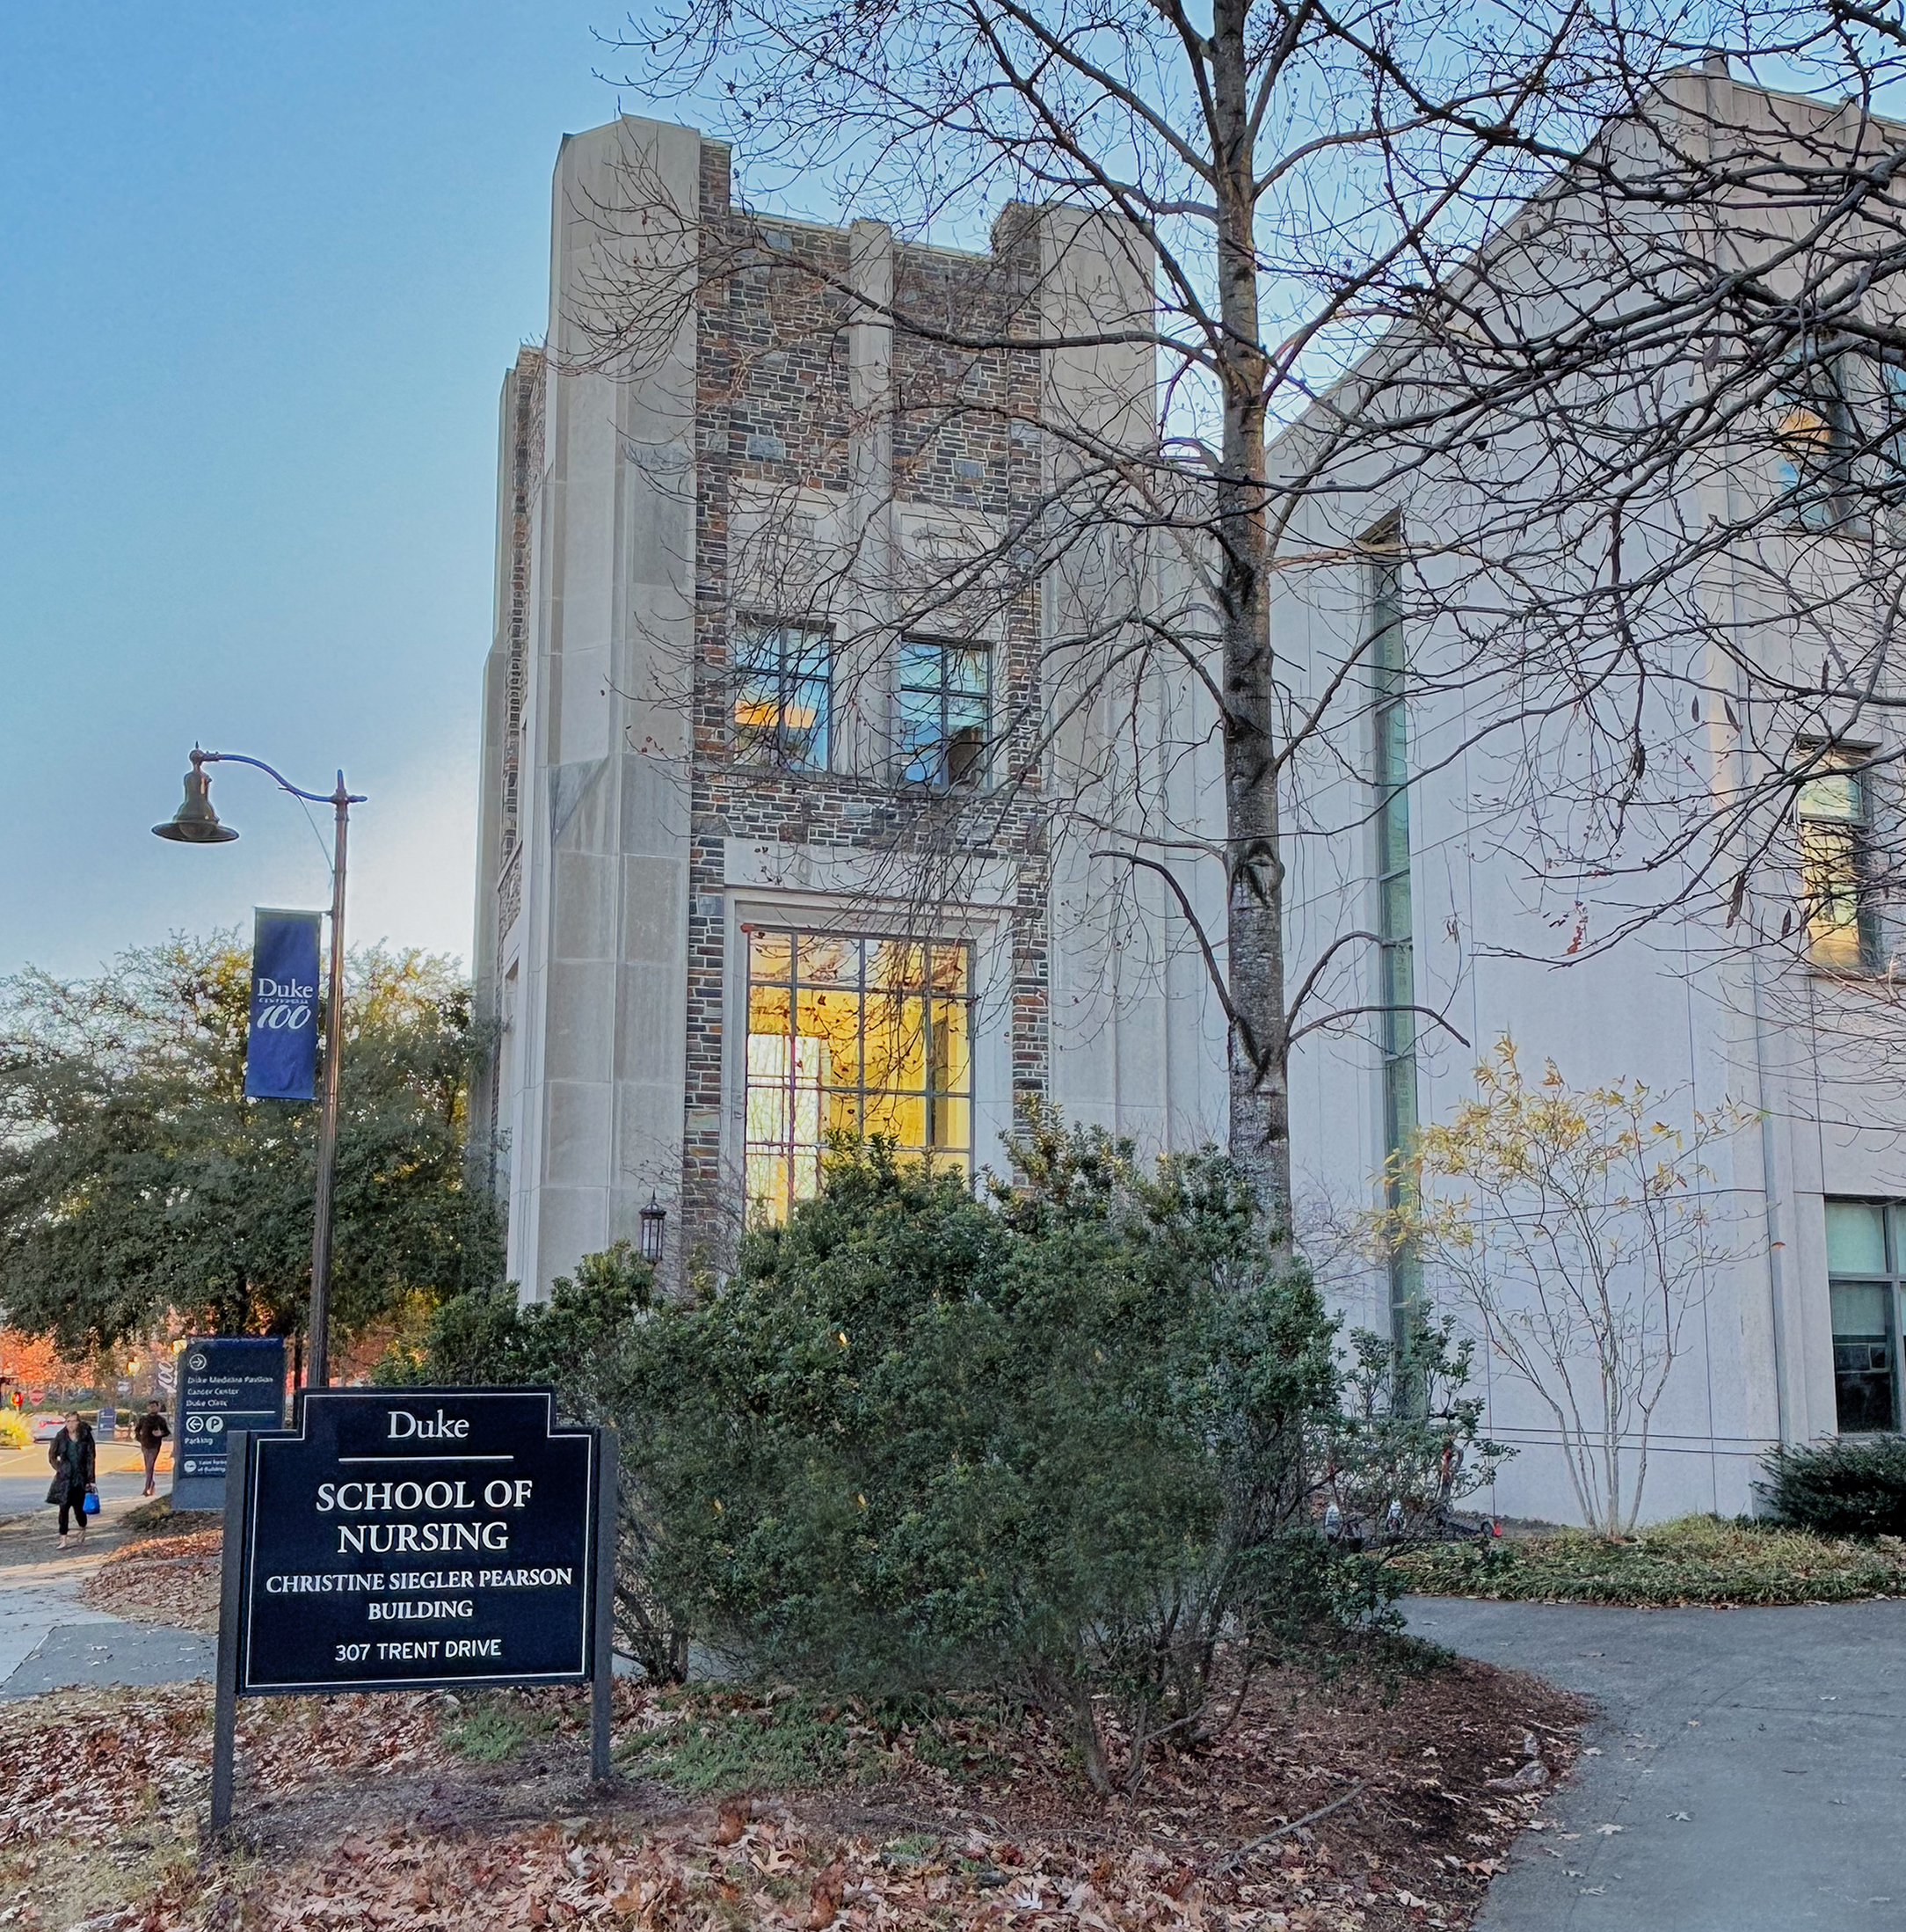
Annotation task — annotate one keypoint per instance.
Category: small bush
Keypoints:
(1849, 1486)
(14, 1433)
(1405, 1435)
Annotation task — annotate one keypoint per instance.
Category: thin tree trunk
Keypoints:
(1254, 923)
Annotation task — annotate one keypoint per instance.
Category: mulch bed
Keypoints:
(361, 1813)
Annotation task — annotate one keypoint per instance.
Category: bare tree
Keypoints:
(1576, 1229)
(1535, 278)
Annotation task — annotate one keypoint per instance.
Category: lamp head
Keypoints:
(653, 1217)
(195, 823)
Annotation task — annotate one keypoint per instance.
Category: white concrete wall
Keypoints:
(1138, 1036)
(1681, 1004)
(601, 996)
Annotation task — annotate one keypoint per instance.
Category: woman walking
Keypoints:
(75, 1465)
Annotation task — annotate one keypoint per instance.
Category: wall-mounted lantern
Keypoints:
(653, 1218)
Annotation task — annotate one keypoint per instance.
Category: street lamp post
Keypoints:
(195, 823)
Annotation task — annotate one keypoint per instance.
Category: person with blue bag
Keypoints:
(75, 1467)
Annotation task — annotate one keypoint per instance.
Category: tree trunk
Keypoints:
(1254, 922)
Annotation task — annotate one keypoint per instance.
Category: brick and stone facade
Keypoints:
(727, 429)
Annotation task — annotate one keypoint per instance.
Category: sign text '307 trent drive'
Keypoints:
(413, 1536)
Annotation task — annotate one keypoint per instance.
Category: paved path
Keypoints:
(49, 1638)
(1755, 1761)
(24, 1476)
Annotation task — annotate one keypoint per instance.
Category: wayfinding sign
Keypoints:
(225, 1383)
(406, 1539)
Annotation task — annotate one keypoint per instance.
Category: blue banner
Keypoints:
(281, 1050)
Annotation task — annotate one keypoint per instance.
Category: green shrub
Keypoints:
(14, 1433)
(1405, 1433)
(1850, 1486)
(1052, 1445)
(580, 1343)
(1060, 1446)
(1692, 1559)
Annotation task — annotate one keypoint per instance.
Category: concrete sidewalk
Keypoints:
(49, 1638)
(1751, 1762)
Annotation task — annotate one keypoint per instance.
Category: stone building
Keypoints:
(760, 856)
(766, 846)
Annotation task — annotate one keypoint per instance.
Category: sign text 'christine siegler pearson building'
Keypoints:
(407, 1539)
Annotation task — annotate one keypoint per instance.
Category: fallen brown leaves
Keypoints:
(166, 1579)
(355, 1812)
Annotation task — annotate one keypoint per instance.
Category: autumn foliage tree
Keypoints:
(1576, 1229)
(137, 1182)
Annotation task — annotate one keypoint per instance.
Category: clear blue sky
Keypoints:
(261, 270)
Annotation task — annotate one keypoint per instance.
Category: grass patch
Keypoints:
(1694, 1559)
(960, 1754)
(713, 1745)
(494, 1730)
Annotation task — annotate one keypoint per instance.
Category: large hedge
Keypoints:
(1056, 1444)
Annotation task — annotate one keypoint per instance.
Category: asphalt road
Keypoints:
(23, 1475)
(1752, 1762)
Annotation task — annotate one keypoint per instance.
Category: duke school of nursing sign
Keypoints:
(407, 1539)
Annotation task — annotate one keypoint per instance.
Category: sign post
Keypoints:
(225, 1383)
(608, 1471)
(410, 1539)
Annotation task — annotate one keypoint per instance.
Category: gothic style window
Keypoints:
(945, 690)
(783, 696)
(1843, 926)
(1862, 1276)
(854, 1036)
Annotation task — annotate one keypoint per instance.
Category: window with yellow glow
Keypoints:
(856, 1037)
(1842, 925)
(783, 694)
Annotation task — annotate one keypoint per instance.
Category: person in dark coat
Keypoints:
(150, 1431)
(75, 1465)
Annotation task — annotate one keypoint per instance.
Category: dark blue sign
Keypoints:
(418, 1536)
(225, 1383)
(281, 1045)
